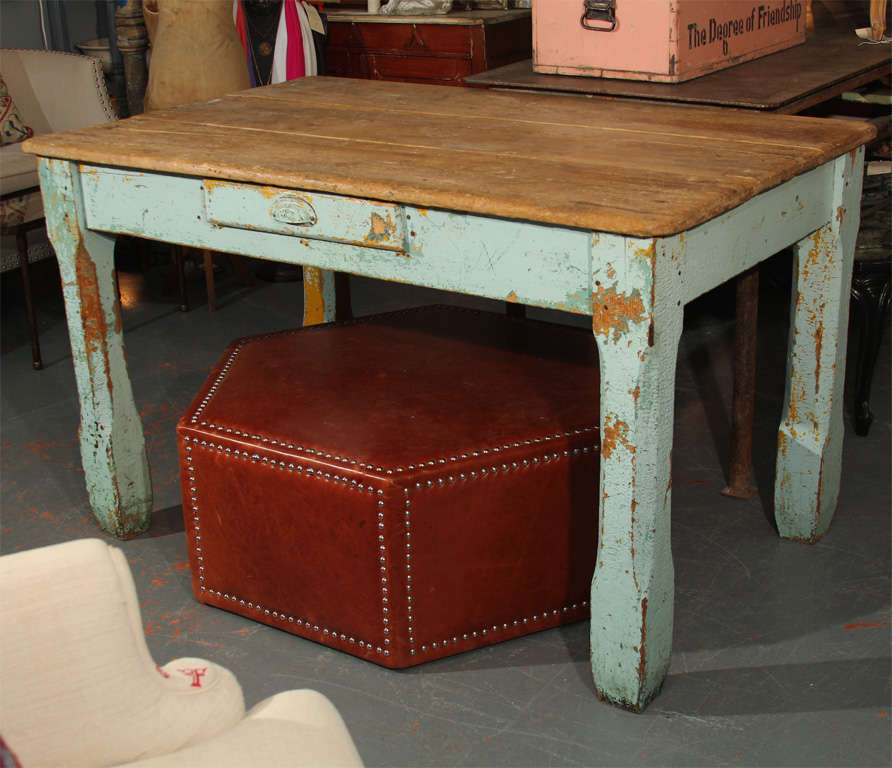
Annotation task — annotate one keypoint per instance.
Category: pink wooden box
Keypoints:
(661, 40)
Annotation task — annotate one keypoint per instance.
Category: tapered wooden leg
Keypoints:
(632, 596)
(320, 302)
(809, 458)
(113, 448)
(740, 475)
(21, 241)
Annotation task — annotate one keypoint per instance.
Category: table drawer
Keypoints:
(305, 214)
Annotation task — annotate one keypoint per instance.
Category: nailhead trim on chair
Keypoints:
(98, 75)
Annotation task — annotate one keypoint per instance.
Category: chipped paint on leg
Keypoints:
(111, 438)
(319, 296)
(632, 599)
(613, 311)
(811, 432)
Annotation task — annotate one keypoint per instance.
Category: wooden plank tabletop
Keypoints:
(830, 61)
(630, 168)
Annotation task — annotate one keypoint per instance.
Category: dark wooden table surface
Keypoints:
(830, 62)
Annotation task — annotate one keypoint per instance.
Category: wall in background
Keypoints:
(67, 22)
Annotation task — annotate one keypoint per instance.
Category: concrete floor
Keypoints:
(781, 650)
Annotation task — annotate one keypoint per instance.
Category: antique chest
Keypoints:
(426, 49)
(402, 487)
(660, 40)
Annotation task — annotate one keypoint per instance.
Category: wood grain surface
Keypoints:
(630, 168)
(829, 62)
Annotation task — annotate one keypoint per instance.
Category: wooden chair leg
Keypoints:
(209, 279)
(21, 241)
(740, 485)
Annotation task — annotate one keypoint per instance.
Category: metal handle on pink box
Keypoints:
(599, 10)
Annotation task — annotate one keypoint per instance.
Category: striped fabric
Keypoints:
(294, 54)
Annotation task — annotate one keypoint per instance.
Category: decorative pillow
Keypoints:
(12, 129)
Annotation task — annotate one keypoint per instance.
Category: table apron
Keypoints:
(501, 259)
(517, 261)
(733, 242)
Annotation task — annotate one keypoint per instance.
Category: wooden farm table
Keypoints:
(624, 212)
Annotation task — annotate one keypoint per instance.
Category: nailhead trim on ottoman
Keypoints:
(450, 504)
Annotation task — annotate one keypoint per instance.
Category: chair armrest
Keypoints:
(293, 729)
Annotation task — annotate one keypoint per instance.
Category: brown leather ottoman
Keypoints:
(403, 487)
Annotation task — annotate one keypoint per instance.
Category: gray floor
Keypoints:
(781, 650)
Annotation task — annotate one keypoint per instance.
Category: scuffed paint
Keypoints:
(642, 646)
(819, 341)
(315, 309)
(614, 432)
(380, 229)
(613, 312)
(92, 317)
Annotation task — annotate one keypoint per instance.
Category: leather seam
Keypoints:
(265, 441)
(383, 556)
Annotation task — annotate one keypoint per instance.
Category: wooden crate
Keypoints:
(660, 40)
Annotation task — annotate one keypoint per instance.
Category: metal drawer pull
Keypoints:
(599, 11)
(290, 209)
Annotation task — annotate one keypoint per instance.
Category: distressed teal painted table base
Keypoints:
(634, 289)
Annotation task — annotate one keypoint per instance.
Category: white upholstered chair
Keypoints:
(78, 686)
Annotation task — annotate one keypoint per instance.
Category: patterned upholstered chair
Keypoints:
(42, 91)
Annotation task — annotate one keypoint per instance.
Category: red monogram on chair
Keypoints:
(196, 675)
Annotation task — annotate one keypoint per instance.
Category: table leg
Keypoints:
(740, 474)
(113, 448)
(809, 456)
(319, 296)
(633, 589)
